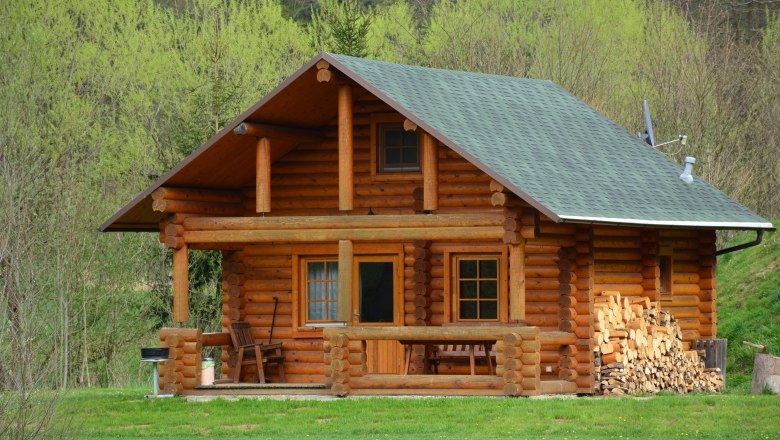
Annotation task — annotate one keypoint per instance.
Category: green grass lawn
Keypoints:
(749, 299)
(103, 413)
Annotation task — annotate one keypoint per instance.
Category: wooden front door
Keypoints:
(377, 301)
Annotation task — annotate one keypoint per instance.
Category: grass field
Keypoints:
(109, 413)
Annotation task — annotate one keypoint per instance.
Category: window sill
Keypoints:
(391, 177)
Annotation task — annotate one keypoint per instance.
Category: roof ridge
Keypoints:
(438, 69)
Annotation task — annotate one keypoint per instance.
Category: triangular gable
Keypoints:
(549, 148)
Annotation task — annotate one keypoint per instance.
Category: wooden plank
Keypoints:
(558, 387)
(344, 313)
(346, 184)
(426, 381)
(426, 392)
(517, 281)
(430, 166)
(181, 306)
(263, 176)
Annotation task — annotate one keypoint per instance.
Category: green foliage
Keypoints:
(749, 299)
(341, 26)
(98, 96)
(124, 413)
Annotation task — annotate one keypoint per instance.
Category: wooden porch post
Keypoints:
(181, 300)
(346, 189)
(517, 281)
(263, 176)
(430, 166)
(345, 282)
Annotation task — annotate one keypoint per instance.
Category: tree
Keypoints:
(341, 27)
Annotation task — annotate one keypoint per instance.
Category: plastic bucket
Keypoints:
(207, 371)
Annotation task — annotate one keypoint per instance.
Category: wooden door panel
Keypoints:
(385, 357)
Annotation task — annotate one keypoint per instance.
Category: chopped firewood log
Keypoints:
(639, 348)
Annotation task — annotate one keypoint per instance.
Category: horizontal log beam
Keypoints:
(340, 222)
(558, 387)
(331, 235)
(557, 338)
(277, 131)
(465, 333)
(427, 381)
(215, 339)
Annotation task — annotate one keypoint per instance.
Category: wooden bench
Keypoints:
(455, 352)
(460, 353)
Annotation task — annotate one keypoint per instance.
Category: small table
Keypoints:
(156, 390)
(409, 344)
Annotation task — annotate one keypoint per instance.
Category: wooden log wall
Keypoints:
(567, 278)
(651, 281)
(232, 301)
(343, 359)
(518, 362)
(626, 261)
(708, 317)
(183, 371)
(305, 181)
(618, 256)
(252, 279)
(691, 305)
(584, 308)
(421, 263)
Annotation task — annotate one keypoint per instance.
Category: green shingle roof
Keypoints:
(550, 148)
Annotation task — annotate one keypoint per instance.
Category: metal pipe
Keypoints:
(739, 247)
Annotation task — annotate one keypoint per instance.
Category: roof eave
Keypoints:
(670, 223)
(106, 226)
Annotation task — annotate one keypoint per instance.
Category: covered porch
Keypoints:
(518, 351)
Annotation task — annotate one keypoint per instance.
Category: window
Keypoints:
(399, 150)
(665, 274)
(321, 290)
(376, 294)
(477, 288)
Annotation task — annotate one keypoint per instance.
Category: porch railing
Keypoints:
(518, 361)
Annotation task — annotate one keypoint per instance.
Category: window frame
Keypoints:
(307, 252)
(451, 288)
(398, 281)
(304, 270)
(377, 119)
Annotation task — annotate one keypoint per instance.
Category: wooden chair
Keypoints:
(250, 352)
(458, 353)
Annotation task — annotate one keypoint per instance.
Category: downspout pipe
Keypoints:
(739, 247)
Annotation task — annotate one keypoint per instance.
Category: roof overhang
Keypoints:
(139, 216)
(669, 223)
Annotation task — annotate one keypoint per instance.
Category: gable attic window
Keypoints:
(399, 150)
(395, 152)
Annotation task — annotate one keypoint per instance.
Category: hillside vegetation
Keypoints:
(99, 98)
(749, 299)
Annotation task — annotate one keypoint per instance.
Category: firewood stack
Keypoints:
(638, 348)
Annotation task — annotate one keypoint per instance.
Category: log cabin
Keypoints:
(368, 213)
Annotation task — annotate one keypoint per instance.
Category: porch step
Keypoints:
(262, 386)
